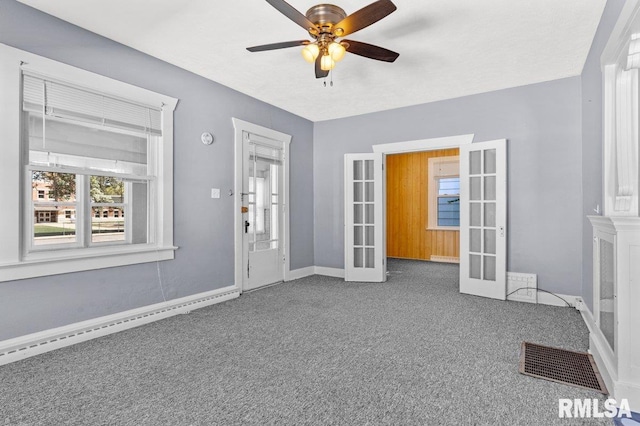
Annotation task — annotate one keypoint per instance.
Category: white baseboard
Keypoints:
(444, 259)
(549, 299)
(37, 343)
(329, 272)
(301, 273)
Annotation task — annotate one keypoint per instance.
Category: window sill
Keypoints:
(62, 262)
(442, 228)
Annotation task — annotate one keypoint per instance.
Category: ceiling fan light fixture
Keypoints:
(337, 51)
(327, 63)
(310, 52)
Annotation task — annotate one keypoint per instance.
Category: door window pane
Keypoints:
(474, 266)
(369, 239)
(475, 242)
(490, 188)
(490, 214)
(357, 170)
(369, 216)
(476, 190)
(490, 161)
(357, 213)
(358, 253)
(489, 268)
(370, 261)
(475, 212)
(368, 170)
(369, 191)
(475, 161)
(357, 235)
(490, 241)
(357, 192)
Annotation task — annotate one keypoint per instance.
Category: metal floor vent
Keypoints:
(562, 366)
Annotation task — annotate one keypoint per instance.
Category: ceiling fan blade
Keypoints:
(363, 17)
(280, 45)
(320, 73)
(292, 13)
(371, 51)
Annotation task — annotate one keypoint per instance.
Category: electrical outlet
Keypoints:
(215, 192)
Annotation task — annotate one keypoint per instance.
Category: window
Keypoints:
(448, 213)
(89, 147)
(444, 193)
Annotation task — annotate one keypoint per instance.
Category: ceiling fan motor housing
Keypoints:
(326, 15)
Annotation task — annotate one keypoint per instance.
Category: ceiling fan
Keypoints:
(325, 24)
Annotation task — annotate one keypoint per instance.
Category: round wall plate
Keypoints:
(206, 138)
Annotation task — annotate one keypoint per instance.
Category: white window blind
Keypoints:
(87, 130)
(64, 101)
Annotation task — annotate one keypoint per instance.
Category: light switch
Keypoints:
(215, 192)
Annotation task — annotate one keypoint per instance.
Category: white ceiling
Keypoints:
(448, 48)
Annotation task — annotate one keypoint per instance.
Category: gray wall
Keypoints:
(542, 123)
(203, 227)
(592, 137)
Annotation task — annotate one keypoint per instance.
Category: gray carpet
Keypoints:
(312, 351)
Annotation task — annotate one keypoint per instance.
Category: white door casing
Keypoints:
(261, 166)
(483, 219)
(365, 237)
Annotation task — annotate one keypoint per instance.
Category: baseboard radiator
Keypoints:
(37, 343)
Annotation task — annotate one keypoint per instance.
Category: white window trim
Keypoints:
(436, 163)
(14, 263)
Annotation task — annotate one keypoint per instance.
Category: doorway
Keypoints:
(262, 208)
(482, 212)
(423, 205)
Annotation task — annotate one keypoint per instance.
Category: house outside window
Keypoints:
(443, 193)
(90, 144)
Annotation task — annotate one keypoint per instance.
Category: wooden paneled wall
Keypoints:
(407, 209)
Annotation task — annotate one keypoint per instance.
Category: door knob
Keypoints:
(246, 226)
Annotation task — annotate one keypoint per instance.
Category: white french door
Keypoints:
(483, 214)
(262, 193)
(365, 245)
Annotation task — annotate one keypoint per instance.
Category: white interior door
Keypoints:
(365, 245)
(263, 197)
(483, 219)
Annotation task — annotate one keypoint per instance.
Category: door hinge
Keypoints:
(247, 268)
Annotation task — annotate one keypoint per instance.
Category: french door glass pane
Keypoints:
(475, 242)
(368, 170)
(357, 213)
(475, 161)
(369, 192)
(489, 268)
(474, 266)
(370, 261)
(490, 188)
(357, 192)
(357, 236)
(369, 236)
(490, 241)
(490, 214)
(369, 213)
(476, 191)
(475, 212)
(358, 253)
(357, 170)
(490, 161)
